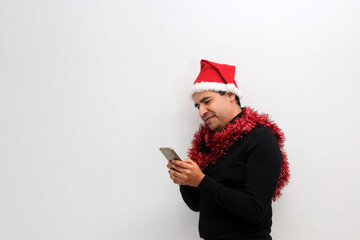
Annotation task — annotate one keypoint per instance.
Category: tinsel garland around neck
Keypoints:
(208, 146)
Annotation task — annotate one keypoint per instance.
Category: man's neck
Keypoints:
(236, 112)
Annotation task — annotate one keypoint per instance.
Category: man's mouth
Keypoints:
(208, 118)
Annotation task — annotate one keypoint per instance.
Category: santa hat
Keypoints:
(216, 77)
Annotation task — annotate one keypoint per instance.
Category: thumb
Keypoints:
(189, 161)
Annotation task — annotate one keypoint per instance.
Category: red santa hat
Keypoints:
(216, 77)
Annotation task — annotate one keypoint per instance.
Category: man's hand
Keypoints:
(185, 172)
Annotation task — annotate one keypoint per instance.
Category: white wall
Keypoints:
(90, 89)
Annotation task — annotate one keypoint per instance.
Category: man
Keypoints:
(236, 164)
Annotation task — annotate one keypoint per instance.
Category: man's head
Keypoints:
(216, 94)
(216, 109)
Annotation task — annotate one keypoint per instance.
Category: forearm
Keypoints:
(190, 196)
(238, 202)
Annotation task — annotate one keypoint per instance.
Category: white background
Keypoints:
(90, 89)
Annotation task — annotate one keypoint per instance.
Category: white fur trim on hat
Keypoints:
(214, 86)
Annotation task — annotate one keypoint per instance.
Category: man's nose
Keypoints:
(202, 111)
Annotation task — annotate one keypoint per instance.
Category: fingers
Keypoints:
(176, 177)
(171, 165)
(188, 160)
(181, 164)
(174, 171)
(185, 172)
(184, 163)
(178, 165)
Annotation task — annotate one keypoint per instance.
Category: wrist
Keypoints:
(201, 177)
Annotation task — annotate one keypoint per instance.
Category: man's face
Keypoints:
(214, 109)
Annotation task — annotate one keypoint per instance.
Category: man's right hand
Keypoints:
(185, 172)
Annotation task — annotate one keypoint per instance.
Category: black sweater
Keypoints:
(235, 196)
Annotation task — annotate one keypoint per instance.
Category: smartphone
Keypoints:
(169, 153)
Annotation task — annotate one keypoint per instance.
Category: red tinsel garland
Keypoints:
(219, 142)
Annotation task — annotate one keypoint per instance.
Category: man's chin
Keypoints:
(213, 124)
(213, 127)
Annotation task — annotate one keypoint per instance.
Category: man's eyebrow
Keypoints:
(202, 100)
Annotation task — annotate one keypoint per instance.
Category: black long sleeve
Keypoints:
(191, 197)
(261, 175)
(236, 194)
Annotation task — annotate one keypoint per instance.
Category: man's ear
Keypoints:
(231, 96)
